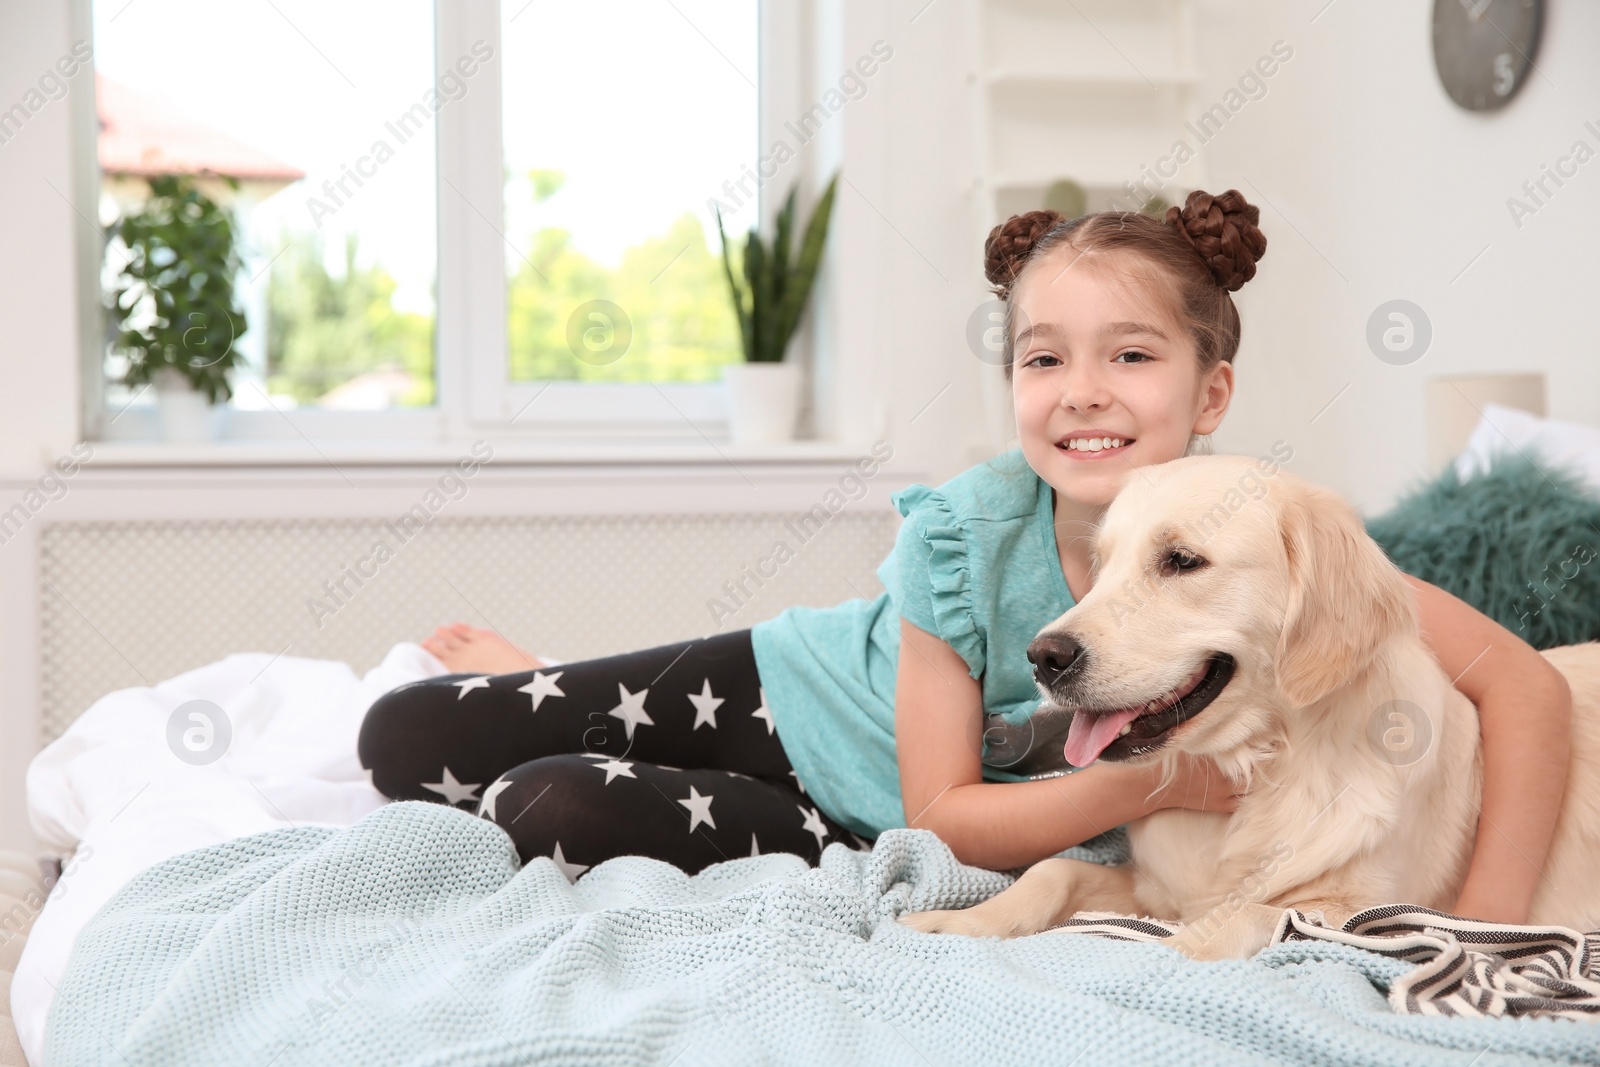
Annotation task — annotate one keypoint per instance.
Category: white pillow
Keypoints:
(1558, 444)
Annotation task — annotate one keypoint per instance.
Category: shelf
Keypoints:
(1100, 10)
(1093, 82)
(1102, 181)
(1014, 200)
(109, 454)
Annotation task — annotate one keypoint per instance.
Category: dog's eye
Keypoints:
(1178, 561)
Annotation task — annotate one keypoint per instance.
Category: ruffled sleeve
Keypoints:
(928, 575)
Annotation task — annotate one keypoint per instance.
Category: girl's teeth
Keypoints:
(1094, 444)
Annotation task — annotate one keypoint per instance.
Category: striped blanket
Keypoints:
(1461, 966)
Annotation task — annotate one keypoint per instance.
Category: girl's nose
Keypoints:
(1083, 388)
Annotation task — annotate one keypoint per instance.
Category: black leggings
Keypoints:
(669, 752)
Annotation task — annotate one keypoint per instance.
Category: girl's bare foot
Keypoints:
(466, 649)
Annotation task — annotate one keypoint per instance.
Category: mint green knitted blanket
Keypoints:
(413, 937)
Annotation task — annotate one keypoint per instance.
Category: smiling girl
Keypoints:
(1120, 342)
(826, 725)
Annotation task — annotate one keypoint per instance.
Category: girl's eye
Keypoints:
(1035, 359)
(1141, 357)
(1178, 561)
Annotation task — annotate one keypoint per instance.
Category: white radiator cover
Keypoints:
(131, 603)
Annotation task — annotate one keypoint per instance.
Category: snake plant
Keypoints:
(776, 281)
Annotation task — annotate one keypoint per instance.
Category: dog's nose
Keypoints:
(1053, 657)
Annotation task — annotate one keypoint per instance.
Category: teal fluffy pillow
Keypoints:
(1518, 542)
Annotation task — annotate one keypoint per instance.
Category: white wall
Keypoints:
(905, 269)
(1373, 173)
(1373, 186)
(41, 198)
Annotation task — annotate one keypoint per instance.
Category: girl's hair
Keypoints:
(1209, 248)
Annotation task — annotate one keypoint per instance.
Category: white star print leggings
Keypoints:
(668, 752)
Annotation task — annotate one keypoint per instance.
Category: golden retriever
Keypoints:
(1248, 617)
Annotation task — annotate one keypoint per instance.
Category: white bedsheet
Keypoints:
(112, 788)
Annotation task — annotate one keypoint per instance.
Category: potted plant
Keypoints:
(174, 308)
(764, 390)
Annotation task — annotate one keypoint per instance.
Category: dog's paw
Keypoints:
(1207, 950)
(929, 922)
(971, 922)
(1237, 936)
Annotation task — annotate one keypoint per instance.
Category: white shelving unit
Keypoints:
(1098, 91)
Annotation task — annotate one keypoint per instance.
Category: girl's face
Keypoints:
(1098, 354)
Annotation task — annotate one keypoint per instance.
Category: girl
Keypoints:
(1120, 336)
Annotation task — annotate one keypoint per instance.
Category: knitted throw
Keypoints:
(413, 937)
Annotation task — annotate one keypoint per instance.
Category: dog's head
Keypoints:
(1227, 592)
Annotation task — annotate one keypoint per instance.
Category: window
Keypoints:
(336, 240)
(448, 216)
(605, 202)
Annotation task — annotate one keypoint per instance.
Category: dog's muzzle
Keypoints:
(1055, 658)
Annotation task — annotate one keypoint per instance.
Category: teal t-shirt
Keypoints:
(975, 562)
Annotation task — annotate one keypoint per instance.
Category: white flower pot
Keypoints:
(183, 411)
(763, 401)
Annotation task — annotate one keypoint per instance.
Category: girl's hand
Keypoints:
(1198, 785)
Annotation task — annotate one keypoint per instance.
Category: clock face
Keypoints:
(1484, 49)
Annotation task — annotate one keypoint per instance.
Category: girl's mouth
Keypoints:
(1092, 449)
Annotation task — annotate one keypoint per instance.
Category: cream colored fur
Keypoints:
(1341, 813)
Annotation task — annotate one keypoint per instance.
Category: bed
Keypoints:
(272, 907)
(23, 886)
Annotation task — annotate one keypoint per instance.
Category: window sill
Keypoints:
(412, 453)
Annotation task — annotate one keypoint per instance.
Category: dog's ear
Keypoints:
(1345, 597)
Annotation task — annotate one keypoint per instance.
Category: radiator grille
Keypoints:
(128, 604)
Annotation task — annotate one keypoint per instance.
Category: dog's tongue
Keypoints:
(1089, 735)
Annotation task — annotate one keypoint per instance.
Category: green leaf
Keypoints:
(179, 283)
(758, 272)
(787, 314)
(781, 247)
(746, 326)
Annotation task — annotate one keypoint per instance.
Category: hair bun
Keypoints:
(1011, 243)
(1223, 229)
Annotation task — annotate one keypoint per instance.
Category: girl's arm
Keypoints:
(1525, 716)
(938, 717)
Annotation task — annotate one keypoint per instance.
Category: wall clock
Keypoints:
(1484, 49)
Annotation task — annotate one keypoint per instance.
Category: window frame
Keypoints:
(474, 394)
